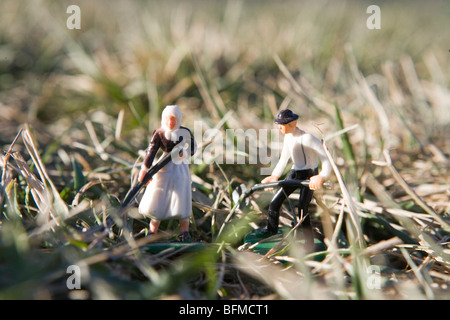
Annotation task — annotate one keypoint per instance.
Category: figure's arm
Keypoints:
(317, 181)
(151, 154)
(279, 168)
(193, 144)
(188, 148)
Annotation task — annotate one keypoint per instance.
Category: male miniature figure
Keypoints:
(169, 194)
(304, 150)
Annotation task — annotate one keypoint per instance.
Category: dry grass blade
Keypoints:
(5, 160)
(37, 188)
(54, 198)
(347, 198)
(119, 125)
(411, 192)
(324, 106)
(284, 238)
(382, 246)
(121, 250)
(418, 274)
(287, 283)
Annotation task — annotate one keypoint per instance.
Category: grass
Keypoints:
(77, 107)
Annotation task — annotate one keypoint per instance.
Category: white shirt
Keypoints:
(305, 150)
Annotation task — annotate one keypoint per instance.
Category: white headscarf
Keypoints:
(174, 111)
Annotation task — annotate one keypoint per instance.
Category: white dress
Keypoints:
(169, 193)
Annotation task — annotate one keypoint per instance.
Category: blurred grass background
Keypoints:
(87, 99)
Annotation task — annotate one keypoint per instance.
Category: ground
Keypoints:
(82, 104)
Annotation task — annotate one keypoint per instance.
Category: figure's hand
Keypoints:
(316, 182)
(141, 176)
(268, 180)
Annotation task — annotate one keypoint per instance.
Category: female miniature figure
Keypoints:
(168, 195)
(304, 150)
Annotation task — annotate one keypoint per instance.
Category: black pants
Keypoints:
(302, 208)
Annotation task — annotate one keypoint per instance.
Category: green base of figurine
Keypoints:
(181, 247)
(264, 245)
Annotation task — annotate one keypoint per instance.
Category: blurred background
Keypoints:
(90, 97)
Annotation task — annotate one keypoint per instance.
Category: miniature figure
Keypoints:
(168, 194)
(305, 150)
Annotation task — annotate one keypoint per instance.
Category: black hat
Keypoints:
(285, 116)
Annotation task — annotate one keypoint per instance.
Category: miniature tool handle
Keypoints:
(284, 183)
(148, 176)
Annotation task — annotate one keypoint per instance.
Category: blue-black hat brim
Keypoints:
(286, 120)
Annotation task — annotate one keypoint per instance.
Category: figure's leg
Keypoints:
(275, 205)
(184, 231)
(306, 195)
(274, 212)
(184, 226)
(153, 226)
